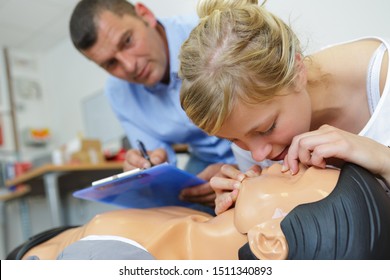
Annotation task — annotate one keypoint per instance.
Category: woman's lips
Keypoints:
(281, 156)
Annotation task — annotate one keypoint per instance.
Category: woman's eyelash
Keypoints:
(269, 130)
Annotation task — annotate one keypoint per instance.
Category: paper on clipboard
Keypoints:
(157, 186)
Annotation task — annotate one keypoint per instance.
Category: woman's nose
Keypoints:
(260, 151)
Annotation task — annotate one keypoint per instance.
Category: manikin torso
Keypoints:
(166, 232)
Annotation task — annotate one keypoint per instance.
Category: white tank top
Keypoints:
(378, 126)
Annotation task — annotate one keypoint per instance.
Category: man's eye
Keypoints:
(110, 64)
(127, 41)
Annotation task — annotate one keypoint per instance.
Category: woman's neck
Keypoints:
(325, 107)
(334, 101)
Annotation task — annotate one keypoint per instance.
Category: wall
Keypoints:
(323, 22)
(69, 78)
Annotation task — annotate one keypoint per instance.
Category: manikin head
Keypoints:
(316, 214)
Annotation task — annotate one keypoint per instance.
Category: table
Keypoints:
(6, 197)
(52, 180)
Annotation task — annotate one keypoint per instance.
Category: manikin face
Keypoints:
(130, 48)
(272, 195)
(266, 129)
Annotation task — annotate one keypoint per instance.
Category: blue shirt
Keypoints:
(154, 114)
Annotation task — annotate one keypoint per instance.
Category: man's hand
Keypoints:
(134, 159)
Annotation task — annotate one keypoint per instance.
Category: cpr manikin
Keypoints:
(254, 227)
(271, 197)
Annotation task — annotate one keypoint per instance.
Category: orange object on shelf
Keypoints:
(43, 133)
(36, 136)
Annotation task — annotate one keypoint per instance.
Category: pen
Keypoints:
(143, 151)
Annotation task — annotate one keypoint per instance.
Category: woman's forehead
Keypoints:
(245, 118)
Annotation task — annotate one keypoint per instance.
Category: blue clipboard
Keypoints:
(157, 186)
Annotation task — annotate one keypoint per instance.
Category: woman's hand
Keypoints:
(203, 193)
(134, 159)
(227, 183)
(327, 144)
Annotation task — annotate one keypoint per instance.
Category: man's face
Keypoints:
(130, 48)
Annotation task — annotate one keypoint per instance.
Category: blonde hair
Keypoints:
(238, 51)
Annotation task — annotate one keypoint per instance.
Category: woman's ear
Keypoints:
(301, 77)
(144, 13)
(267, 241)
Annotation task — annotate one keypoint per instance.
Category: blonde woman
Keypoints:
(246, 79)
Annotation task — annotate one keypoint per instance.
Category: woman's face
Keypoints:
(266, 129)
(274, 194)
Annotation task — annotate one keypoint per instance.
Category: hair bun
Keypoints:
(206, 7)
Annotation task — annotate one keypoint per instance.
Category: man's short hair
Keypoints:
(85, 15)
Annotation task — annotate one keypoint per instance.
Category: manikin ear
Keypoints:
(300, 81)
(147, 15)
(267, 241)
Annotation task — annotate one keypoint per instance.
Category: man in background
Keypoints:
(140, 52)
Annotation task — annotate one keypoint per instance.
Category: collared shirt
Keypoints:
(154, 114)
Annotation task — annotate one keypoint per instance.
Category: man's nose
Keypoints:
(127, 62)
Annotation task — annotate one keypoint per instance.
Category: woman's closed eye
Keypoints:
(267, 131)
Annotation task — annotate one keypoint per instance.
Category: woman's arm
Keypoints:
(227, 183)
(321, 146)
